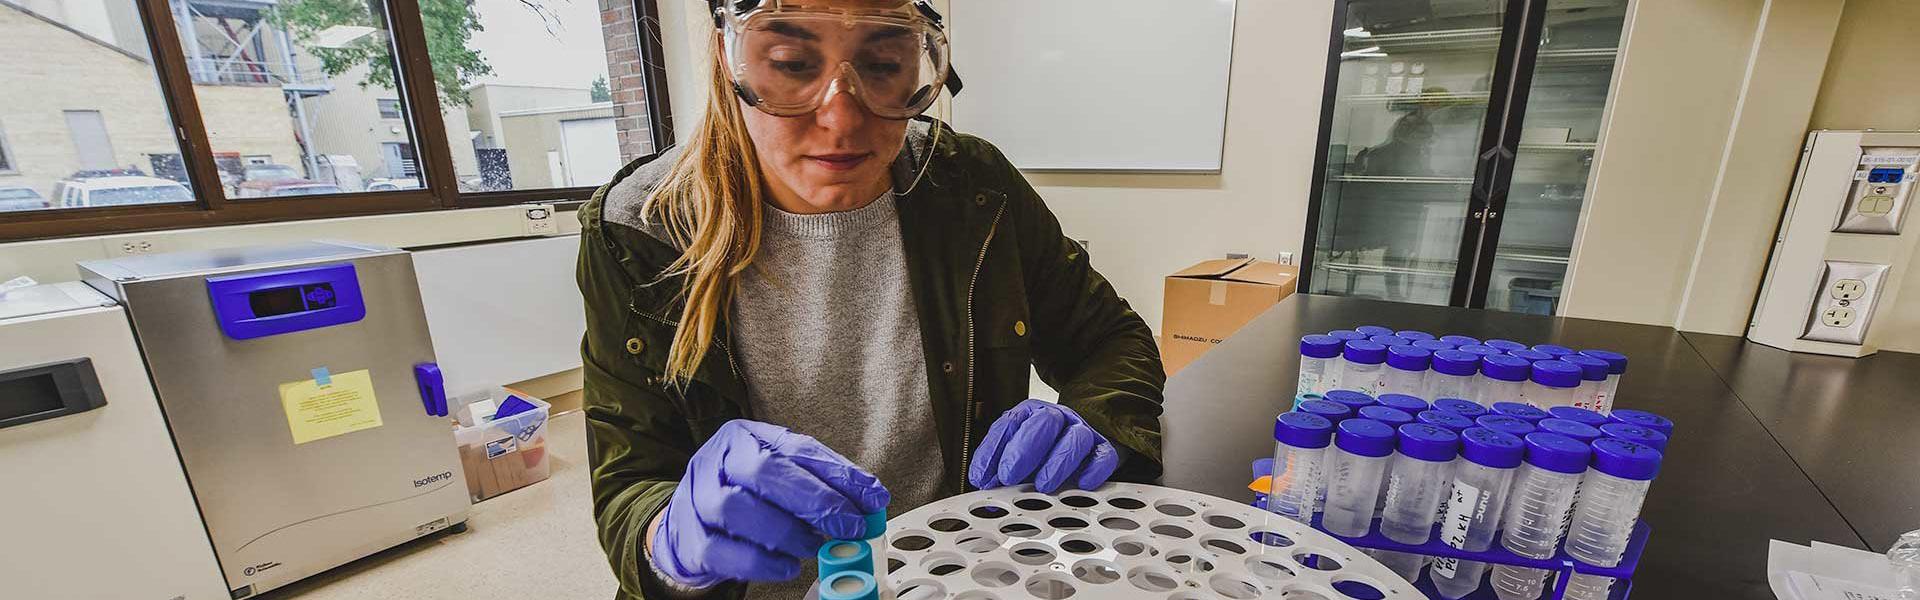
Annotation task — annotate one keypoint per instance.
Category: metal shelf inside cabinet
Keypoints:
(1533, 258)
(1562, 146)
(1451, 98)
(1402, 179)
(1341, 267)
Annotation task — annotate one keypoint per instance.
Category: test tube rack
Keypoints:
(1561, 565)
(1123, 542)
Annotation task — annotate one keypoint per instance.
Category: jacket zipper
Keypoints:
(966, 410)
(732, 367)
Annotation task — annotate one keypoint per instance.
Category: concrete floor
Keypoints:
(534, 542)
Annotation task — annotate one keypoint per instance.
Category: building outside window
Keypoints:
(390, 108)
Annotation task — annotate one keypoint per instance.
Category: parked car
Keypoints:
(389, 185)
(303, 188)
(85, 174)
(119, 191)
(271, 172)
(20, 197)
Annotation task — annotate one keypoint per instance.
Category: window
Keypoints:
(289, 109)
(97, 148)
(552, 94)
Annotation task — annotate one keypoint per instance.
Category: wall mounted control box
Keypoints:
(1843, 247)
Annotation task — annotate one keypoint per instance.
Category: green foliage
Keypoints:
(599, 90)
(449, 25)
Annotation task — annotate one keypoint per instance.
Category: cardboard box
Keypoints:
(1209, 301)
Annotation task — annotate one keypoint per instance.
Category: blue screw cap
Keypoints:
(1616, 362)
(1636, 434)
(1432, 345)
(1444, 419)
(1456, 363)
(1507, 346)
(1553, 349)
(1505, 368)
(1365, 437)
(1575, 413)
(1520, 410)
(1460, 340)
(1303, 430)
(1573, 429)
(1556, 374)
(1347, 335)
(1483, 351)
(1591, 369)
(1414, 334)
(1558, 453)
(1464, 408)
(845, 556)
(1410, 404)
(1431, 443)
(1351, 399)
(1365, 352)
(876, 524)
(1326, 409)
(1390, 340)
(1393, 417)
(849, 585)
(1407, 357)
(1320, 346)
(1530, 355)
(1644, 419)
(1490, 448)
(1626, 460)
(1373, 330)
(1506, 424)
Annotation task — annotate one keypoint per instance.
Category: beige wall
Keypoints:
(535, 134)
(489, 100)
(1757, 166)
(1869, 84)
(249, 120)
(1682, 65)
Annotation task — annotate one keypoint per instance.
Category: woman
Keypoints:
(816, 268)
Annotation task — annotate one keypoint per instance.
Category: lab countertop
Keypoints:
(1748, 420)
(534, 542)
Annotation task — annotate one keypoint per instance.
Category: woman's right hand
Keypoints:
(756, 500)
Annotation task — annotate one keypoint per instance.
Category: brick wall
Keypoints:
(625, 77)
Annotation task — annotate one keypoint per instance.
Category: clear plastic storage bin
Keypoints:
(506, 454)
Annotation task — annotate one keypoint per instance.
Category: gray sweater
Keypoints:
(825, 329)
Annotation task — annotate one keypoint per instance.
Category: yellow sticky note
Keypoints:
(317, 412)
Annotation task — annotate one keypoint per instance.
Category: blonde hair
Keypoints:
(709, 204)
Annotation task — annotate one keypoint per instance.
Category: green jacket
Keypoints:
(997, 288)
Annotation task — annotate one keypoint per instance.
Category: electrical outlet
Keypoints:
(1844, 309)
(1286, 258)
(1849, 289)
(538, 219)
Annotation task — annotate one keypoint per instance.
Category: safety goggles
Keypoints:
(787, 60)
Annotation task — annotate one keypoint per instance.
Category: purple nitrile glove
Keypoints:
(1045, 443)
(756, 500)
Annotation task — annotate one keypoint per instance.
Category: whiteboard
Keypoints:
(1096, 84)
(502, 312)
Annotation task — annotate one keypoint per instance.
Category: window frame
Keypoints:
(420, 110)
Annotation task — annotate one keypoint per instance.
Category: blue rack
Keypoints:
(1561, 564)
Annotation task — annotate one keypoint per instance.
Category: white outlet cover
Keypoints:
(1842, 308)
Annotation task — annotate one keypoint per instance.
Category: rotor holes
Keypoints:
(1022, 528)
(1133, 545)
(1051, 586)
(1271, 539)
(1067, 523)
(1223, 545)
(1119, 523)
(1174, 509)
(1171, 529)
(1188, 562)
(1234, 587)
(1032, 504)
(1126, 503)
(1318, 562)
(1079, 501)
(1032, 553)
(1224, 521)
(1269, 568)
(1081, 544)
(1096, 571)
(977, 542)
(943, 563)
(1303, 595)
(1153, 579)
(922, 589)
(894, 564)
(975, 595)
(912, 542)
(1358, 590)
(988, 510)
(996, 575)
(948, 524)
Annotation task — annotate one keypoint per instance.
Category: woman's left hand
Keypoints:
(1045, 443)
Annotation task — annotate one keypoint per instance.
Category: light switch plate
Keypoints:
(539, 220)
(1843, 305)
